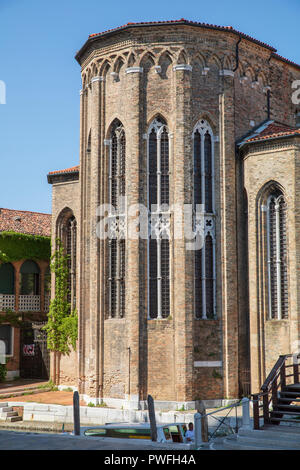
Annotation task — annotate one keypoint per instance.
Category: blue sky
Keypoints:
(39, 124)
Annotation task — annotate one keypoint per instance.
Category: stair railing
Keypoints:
(274, 383)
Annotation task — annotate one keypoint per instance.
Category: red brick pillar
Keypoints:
(81, 306)
(94, 284)
(133, 146)
(228, 236)
(183, 304)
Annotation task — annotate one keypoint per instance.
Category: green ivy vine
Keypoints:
(62, 325)
(16, 246)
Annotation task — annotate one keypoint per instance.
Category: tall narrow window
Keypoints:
(203, 197)
(116, 249)
(70, 246)
(277, 256)
(158, 207)
(67, 232)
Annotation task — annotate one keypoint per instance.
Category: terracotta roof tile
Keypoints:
(187, 22)
(32, 223)
(273, 130)
(73, 169)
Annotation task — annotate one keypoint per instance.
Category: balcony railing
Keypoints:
(47, 302)
(29, 303)
(7, 302)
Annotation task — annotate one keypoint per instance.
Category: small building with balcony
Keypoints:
(24, 291)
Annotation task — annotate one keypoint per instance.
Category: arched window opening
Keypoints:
(159, 213)
(277, 256)
(203, 196)
(7, 279)
(29, 278)
(70, 246)
(67, 232)
(7, 287)
(116, 198)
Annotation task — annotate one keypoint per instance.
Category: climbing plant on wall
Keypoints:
(62, 325)
(16, 246)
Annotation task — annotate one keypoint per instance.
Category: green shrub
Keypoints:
(3, 372)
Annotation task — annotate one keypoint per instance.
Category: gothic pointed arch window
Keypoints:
(159, 214)
(276, 233)
(67, 233)
(204, 198)
(116, 200)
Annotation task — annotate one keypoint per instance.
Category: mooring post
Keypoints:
(198, 429)
(76, 414)
(152, 419)
(246, 413)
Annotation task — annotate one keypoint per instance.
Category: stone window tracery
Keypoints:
(116, 243)
(203, 194)
(159, 216)
(277, 256)
(67, 232)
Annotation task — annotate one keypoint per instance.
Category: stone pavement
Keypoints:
(10, 440)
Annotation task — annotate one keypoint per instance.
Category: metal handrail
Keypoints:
(222, 421)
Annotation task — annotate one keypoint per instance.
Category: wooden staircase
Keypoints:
(279, 398)
(288, 405)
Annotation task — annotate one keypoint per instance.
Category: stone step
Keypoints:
(13, 419)
(3, 405)
(5, 409)
(8, 413)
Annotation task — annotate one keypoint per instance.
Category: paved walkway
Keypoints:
(20, 384)
(53, 398)
(10, 440)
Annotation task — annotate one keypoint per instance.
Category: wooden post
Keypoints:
(152, 419)
(204, 422)
(256, 411)
(266, 408)
(296, 368)
(76, 414)
(283, 376)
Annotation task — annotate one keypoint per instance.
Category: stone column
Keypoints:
(182, 267)
(229, 305)
(133, 146)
